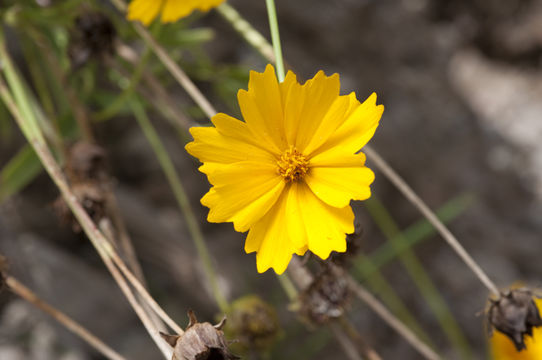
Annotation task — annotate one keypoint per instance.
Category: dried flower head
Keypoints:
(93, 36)
(287, 173)
(326, 298)
(90, 196)
(253, 323)
(200, 341)
(515, 314)
(86, 162)
(171, 10)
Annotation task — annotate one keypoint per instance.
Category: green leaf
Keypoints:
(19, 172)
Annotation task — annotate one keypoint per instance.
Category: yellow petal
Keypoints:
(293, 99)
(269, 238)
(326, 226)
(319, 94)
(210, 145)
(243, 193)
(174, 10)
(262, 110)
(144, 10)
(357, 130)
(294, 217)
(336, 186)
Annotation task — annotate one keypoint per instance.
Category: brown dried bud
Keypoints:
(326, 298)
(93, 36)
(92, 199)
(253, 323)
(515, 314)
(85, 162)
(200, 341)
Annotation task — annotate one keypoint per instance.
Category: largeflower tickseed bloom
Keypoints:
(287, 173)
(171, 10)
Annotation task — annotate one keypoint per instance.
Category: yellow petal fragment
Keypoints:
(326, 226)
(358, 128)
(144, 10)
(262, 110)
(320, 93)
(175, 9)
(210, 145)
(294, 217)
(269, 238)
(336, 186)
(243, 193)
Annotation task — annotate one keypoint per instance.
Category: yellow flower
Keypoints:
(502, 348)
(172, 10)
(288, 172)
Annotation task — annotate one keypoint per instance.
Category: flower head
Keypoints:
(171, 10)
(287, 173)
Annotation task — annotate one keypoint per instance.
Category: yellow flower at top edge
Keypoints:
(287, 173)
(502, 348)
(171, 10)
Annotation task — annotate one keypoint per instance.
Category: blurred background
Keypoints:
(461, 84)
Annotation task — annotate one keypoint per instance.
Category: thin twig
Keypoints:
(70, 324)
(391, 320)
(407, 191)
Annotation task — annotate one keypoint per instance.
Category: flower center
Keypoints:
(292, 165)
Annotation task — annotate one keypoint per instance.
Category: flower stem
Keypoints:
(275, 37)
(27, 294)
(182, 199)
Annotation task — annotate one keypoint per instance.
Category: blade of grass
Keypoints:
(19, 172)
(417, 233)
(420, 277)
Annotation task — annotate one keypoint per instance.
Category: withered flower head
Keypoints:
(93, 36)
(91, 196)
(85, 162)
(515, 314)
(326, 298)
(253, 323)
(200, 341)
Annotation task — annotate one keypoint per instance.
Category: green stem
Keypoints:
(275, 37)
(182, 199)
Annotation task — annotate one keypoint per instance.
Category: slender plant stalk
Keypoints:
(16, 287)
(275, 37)
(247, 31)
(182, 199)
(391, 320)
(407, 191)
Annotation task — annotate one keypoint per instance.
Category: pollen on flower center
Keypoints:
(292, 165)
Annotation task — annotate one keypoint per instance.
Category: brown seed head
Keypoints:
(326, 298)
(200, 341)
(515, 314)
